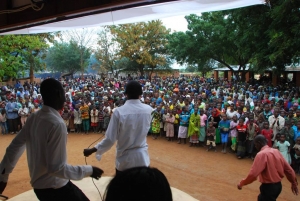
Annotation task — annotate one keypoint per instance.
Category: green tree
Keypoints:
(20, 53)
(142, 43)
(67, 57)
(210, 37)
(106, 52)
(85, 39)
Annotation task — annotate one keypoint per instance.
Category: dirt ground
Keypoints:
(207, 176)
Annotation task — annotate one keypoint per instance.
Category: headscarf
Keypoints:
(217, 112)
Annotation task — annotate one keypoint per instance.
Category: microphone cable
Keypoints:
(87, 164)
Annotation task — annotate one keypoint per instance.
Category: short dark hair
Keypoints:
(139, 183)
(51, 90)
(133, 90)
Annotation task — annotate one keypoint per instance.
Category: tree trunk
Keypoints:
(141, 69)
(31, 74)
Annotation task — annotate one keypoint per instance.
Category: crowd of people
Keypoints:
(195, 110)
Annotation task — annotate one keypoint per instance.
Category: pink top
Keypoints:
(203, 119)
(233, 132)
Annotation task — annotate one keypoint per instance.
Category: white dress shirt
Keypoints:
(128, 126)
(45, 137)
(276, 128)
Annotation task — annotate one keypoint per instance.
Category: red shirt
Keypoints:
(268, 135)
(270, 166)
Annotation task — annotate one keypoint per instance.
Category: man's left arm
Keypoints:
(291, 176)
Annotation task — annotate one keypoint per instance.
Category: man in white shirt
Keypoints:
(45, 137)
(128, 126)
(276, 122)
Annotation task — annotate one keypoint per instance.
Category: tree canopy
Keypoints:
(257, 35)
(66, 57)
(22, 52)
(142, 43)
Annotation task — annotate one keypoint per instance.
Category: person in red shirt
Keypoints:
(270, 166)
(268, 133)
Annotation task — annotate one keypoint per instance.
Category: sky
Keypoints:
(176, 23)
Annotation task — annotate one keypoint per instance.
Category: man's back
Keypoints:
(128, 126)
(44, 132)
(273, 165)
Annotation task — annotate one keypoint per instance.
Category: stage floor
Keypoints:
(87, 186)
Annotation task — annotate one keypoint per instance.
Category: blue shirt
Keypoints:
(224, 124)
(11, 110)
(297, 133)
(184, 119)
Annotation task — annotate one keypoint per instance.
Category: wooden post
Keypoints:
(274, 79)
(229, 75)
(225, 74)
(216, 75)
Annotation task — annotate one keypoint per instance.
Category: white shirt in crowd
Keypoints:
(128, 126)
(23, 112)
(46, 154)
(276, 128)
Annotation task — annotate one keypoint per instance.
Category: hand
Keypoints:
(295, 189)
(88, 152)
(97, 172)
(2, 186)
(239, 187)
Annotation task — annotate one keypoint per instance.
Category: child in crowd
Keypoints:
(224, 126)
(289, 132)
(284, 148)
(268, 133)
(77, 118)
(184, 124)
(233, 132)
(277, 139)
(66, 115)
(176, 123)
(106, 119)
(101, 119)
(165, 116)
(211, 133)
(170, 126)
(23, 113)
(3, 120)
(242, 137)
(252, 130)
(94, 119)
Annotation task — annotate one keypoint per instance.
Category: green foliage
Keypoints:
(67, 57)
(142, 43)
(107, 51)
(256, 35)
(21, 52)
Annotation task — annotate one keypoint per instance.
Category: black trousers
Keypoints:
(269, 192)
(69, 192)
(13, 125)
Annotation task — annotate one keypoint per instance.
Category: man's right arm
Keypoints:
(258, 166)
